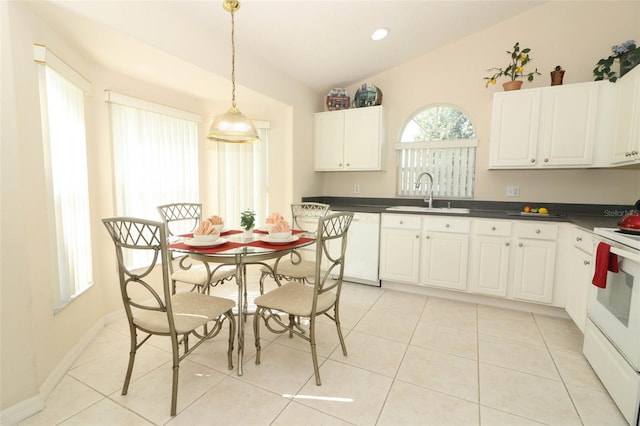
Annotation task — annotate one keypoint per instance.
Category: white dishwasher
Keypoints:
(363, 245)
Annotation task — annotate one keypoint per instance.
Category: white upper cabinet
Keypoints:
(349, 140)
(551, 127)
(626, 145)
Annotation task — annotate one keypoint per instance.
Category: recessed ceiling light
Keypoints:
(379, 34)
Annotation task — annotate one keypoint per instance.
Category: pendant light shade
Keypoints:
(233, 126)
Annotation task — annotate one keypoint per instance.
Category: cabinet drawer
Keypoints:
(499, 228)
(582, 239)
(446, 224)
(537, 231)
(401, 221)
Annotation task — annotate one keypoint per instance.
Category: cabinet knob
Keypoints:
(348, 164)
(427, 237)
(402, 222)
(533, 160)
(634, 152)
(493, 228)
(587, 263)
(447, 225)
(507, 244)
(627, 154)
(578, 239)
(546, 160)
(538, 231)
(520, 245)
(418, 236)
(340, 164)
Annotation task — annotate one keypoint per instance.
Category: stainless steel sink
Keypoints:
(439, 210)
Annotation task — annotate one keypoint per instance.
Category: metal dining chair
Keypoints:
(322, 297)
(161, 312)
(296, 268)
(183, 218)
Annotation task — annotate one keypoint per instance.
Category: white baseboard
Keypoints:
(16, 413)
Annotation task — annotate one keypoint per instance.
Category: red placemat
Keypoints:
(211, 250)
(225, 233)
(293, 244)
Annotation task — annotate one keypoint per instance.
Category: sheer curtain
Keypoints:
(64, 140)
(243, 172)
(155, 156)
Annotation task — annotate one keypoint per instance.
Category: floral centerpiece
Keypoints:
(247, 219)
(627, 53)
(515, 69)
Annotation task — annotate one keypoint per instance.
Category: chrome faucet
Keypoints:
(428, 199)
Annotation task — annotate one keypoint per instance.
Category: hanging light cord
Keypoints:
(233, 60)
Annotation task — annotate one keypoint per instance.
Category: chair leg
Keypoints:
(256, 331)
(337, 321)
(232, 334)
(263, 276)
(314, 354)
(176, 369)
(132, 358)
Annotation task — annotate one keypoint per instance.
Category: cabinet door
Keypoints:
(362, 133)
(578, 287)
(514, 128)
(534, 270)
(443, 260)
(626, 144)
(329, 141)
(399, 255)
(568, 126)
(490, 265)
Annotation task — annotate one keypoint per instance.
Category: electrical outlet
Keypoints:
(356, 189)
(513, 191)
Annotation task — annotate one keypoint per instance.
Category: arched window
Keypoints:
(440, 140)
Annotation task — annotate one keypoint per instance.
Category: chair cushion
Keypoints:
(197, 274)
(304, 269)
(295, 298)
(190, 311)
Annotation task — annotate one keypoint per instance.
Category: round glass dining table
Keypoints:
(235, 248)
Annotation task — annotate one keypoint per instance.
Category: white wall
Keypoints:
(572, 34)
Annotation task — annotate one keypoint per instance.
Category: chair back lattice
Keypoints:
(135, 283)
(185, 217)
(301, 212)
(331, 248)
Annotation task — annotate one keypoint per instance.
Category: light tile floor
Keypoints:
(413, 360)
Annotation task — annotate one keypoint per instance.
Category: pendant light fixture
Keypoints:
(233, 126)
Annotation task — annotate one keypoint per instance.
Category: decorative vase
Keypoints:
(512, 85)
(628, 61)
(556, 77)
(247, 234)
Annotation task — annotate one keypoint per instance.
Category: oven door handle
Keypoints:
(625, 254)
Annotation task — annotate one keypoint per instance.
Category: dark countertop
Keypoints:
(587, 216)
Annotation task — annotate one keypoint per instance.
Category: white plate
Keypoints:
(270, 240)
(204, 244)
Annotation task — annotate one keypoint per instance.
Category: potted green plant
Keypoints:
(247, 221)
(627, 53)
(515, 70)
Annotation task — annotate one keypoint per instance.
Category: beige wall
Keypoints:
(572, 34)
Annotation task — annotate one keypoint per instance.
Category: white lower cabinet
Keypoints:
(510, 259)
(490, 257)
(579, 270)
(400, 248)
(535, 259)
(444, 252)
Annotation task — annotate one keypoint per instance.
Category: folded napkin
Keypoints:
(216, 220)
(605, 262)
(274, 218)
(206, 228)
(281, 226)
